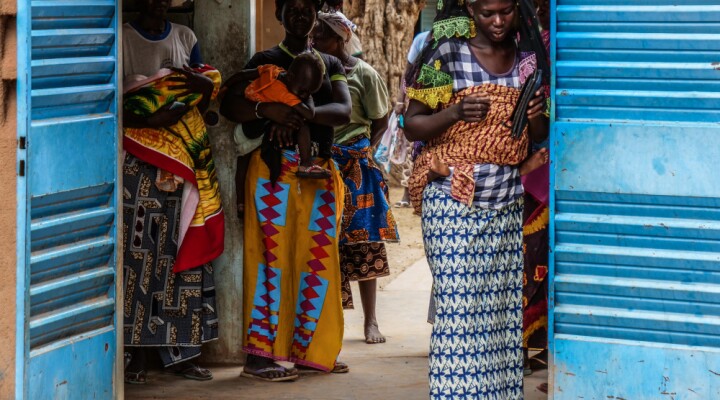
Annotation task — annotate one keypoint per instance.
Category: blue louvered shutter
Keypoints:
(636, 199)
(68, 120)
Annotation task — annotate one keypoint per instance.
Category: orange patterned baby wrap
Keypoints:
(466, 144)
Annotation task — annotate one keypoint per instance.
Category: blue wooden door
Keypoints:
(636, 200)
(67, 191)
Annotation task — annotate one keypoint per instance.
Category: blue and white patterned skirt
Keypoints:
(476, 260)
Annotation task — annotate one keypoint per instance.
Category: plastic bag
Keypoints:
(243, 144)
(386, 147)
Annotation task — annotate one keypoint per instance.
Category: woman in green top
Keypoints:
(367, 219)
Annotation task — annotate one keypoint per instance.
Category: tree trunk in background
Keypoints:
(385, 28)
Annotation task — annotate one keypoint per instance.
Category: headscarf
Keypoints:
(344, 28)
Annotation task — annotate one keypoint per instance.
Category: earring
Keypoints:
(473, 32)
(461, 2)
(440, 4)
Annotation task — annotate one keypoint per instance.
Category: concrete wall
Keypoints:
(8, 132)
(222, 28)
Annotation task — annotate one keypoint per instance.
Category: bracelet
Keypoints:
(257, 115)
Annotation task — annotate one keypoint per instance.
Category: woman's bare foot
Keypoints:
(405, 201)
(372, 333)
(535, 161)
(438, 169)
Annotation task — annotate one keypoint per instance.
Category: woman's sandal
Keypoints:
(340, 368)
(543, 387)
(402, 204)
(192, 371)
(291, 374)
(313, 172)
(136, 378)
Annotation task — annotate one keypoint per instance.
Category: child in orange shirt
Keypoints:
(294, 87)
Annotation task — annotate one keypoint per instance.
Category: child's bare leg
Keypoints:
(438, 169)
(304, 146)
(307, 169)
(535, 161)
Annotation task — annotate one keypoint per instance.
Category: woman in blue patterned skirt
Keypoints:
(467, 187)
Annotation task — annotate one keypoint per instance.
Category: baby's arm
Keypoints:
(306, 109)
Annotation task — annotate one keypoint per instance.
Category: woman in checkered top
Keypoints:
(463, 93)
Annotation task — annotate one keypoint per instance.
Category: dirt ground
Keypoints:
(403, 254)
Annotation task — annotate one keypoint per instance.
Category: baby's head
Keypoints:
(304, 77)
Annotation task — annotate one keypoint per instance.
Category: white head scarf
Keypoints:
(344, 28)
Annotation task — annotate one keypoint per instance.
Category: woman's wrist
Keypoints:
(455, 113)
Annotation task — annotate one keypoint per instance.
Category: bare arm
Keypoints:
(377, 128)
(400, 102)
(235, 106)
(306, 109)
(163, 117)
(538, 123)
(337, 112)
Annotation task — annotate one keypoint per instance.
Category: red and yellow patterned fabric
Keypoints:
(466, 144)
(184, 150)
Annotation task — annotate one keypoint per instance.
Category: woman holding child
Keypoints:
(173, 220)
(292, 306)
(466, 184)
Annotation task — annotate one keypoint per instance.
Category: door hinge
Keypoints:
(21, 168)
(21, 143)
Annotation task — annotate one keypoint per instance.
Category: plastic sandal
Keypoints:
(136, 378)
(314, 172)
(292, 375)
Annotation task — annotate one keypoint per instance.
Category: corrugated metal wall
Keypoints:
(636, 210)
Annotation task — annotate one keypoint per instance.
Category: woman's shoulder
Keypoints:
(446, 51)
(333, 65)
(329, 59)
(366, 72)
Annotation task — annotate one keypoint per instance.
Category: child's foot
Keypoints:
(438, 169)
(312, 172)
(535, 161)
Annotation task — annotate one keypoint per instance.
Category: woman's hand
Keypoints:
(536, 106)
(473, 108)
(191, 82)
(165, 116)
(282, 135)
(538, 123)
(281, 114)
